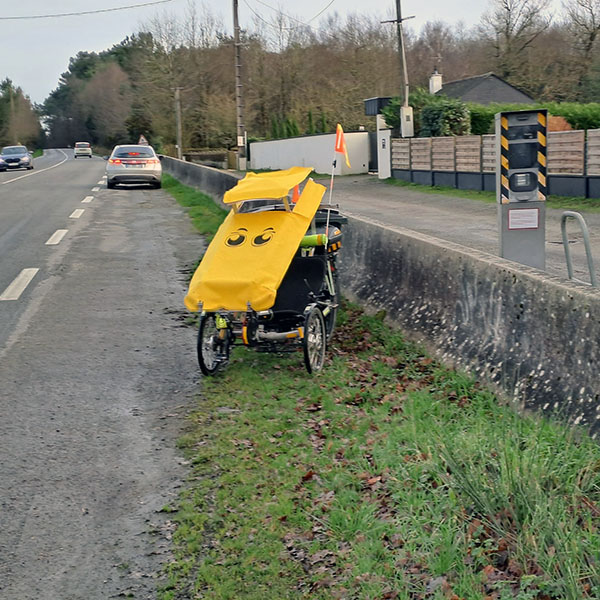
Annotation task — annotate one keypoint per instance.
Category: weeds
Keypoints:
(386, 476)
(206, 216)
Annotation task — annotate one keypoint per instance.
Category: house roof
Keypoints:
(484, 89)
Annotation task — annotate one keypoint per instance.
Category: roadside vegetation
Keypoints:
(206, 216)
(387, 476)
(310, 77)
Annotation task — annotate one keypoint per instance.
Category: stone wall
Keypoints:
(534, 338)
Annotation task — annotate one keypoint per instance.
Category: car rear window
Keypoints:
(134, 153)
(82, 145)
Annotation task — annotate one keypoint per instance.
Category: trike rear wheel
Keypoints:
(213, 344)
(314, 342)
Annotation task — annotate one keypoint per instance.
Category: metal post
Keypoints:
(401, 50)
(241, 138)
(178, 121)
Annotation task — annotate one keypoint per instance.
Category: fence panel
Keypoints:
(593, 152)
(442, 154)
(401, 153)
(468, 153)
(566, 152)
(488, 153)
(420, 152)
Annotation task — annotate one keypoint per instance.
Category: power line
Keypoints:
(87, 12)
(304, 23)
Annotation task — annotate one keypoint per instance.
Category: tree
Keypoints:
(583, 23)
(511, 27)
(19, 121)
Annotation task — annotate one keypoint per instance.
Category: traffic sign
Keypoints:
(143, 141)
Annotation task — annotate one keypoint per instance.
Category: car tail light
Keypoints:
(153, 161)
(114, 161)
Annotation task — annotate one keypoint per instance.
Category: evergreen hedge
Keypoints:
(439, 115)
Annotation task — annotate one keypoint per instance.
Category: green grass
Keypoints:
(204, 213)
(559, 202)
(386, 476)
(37, 153)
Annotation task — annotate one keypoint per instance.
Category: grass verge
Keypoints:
(206, 216)
(387, 476)
(559, 202)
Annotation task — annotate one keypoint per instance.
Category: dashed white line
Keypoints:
(88, 199)
(95, 189)
(17, 287)
(101, 181)
(56, 237)
(76, 213)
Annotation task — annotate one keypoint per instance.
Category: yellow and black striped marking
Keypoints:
(542, 141)
(504, 194)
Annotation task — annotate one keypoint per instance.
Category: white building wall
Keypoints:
(314, 151)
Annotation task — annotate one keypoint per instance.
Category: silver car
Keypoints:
(16, 157)
(133, 163)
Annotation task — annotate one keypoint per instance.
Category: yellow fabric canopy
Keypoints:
(251, 252)
(256, 186)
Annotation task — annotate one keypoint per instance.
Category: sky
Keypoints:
(34, 52)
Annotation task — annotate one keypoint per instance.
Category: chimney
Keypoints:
(435, 81)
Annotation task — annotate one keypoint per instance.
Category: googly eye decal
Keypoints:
(237, 238)
(265, 237)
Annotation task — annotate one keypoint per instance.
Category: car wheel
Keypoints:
(110, 185)
(158, 185)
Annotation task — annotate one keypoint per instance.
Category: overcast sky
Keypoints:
(35, 51)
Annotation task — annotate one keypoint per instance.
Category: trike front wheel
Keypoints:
(213, 344)
(314, 342)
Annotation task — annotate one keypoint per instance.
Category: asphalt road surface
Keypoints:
(467, 222)
(96, 374)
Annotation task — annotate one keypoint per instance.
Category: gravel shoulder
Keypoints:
(96, 383)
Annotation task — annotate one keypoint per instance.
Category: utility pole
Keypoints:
(178, 121)
(400, 35)
(406, 112)
(239, 104)
(12, 127)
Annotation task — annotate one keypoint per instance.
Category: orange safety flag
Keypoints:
(340, 143)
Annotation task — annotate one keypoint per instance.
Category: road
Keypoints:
(467, 222)
(96, 375)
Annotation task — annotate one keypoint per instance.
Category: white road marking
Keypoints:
(76, 213)
(101, 181)
(88, 199)
(95, 189)
(38, 171)
(17, 287)
(56, 237)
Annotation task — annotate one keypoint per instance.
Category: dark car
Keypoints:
(17, 157)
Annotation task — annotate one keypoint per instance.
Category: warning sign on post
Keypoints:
(524, 218)
(143, 141)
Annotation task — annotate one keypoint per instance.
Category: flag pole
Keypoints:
(333, 165)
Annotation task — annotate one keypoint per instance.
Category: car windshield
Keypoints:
(14, 150)
(133, 152)
(82, 145)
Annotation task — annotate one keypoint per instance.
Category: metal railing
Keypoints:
(586, 240)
